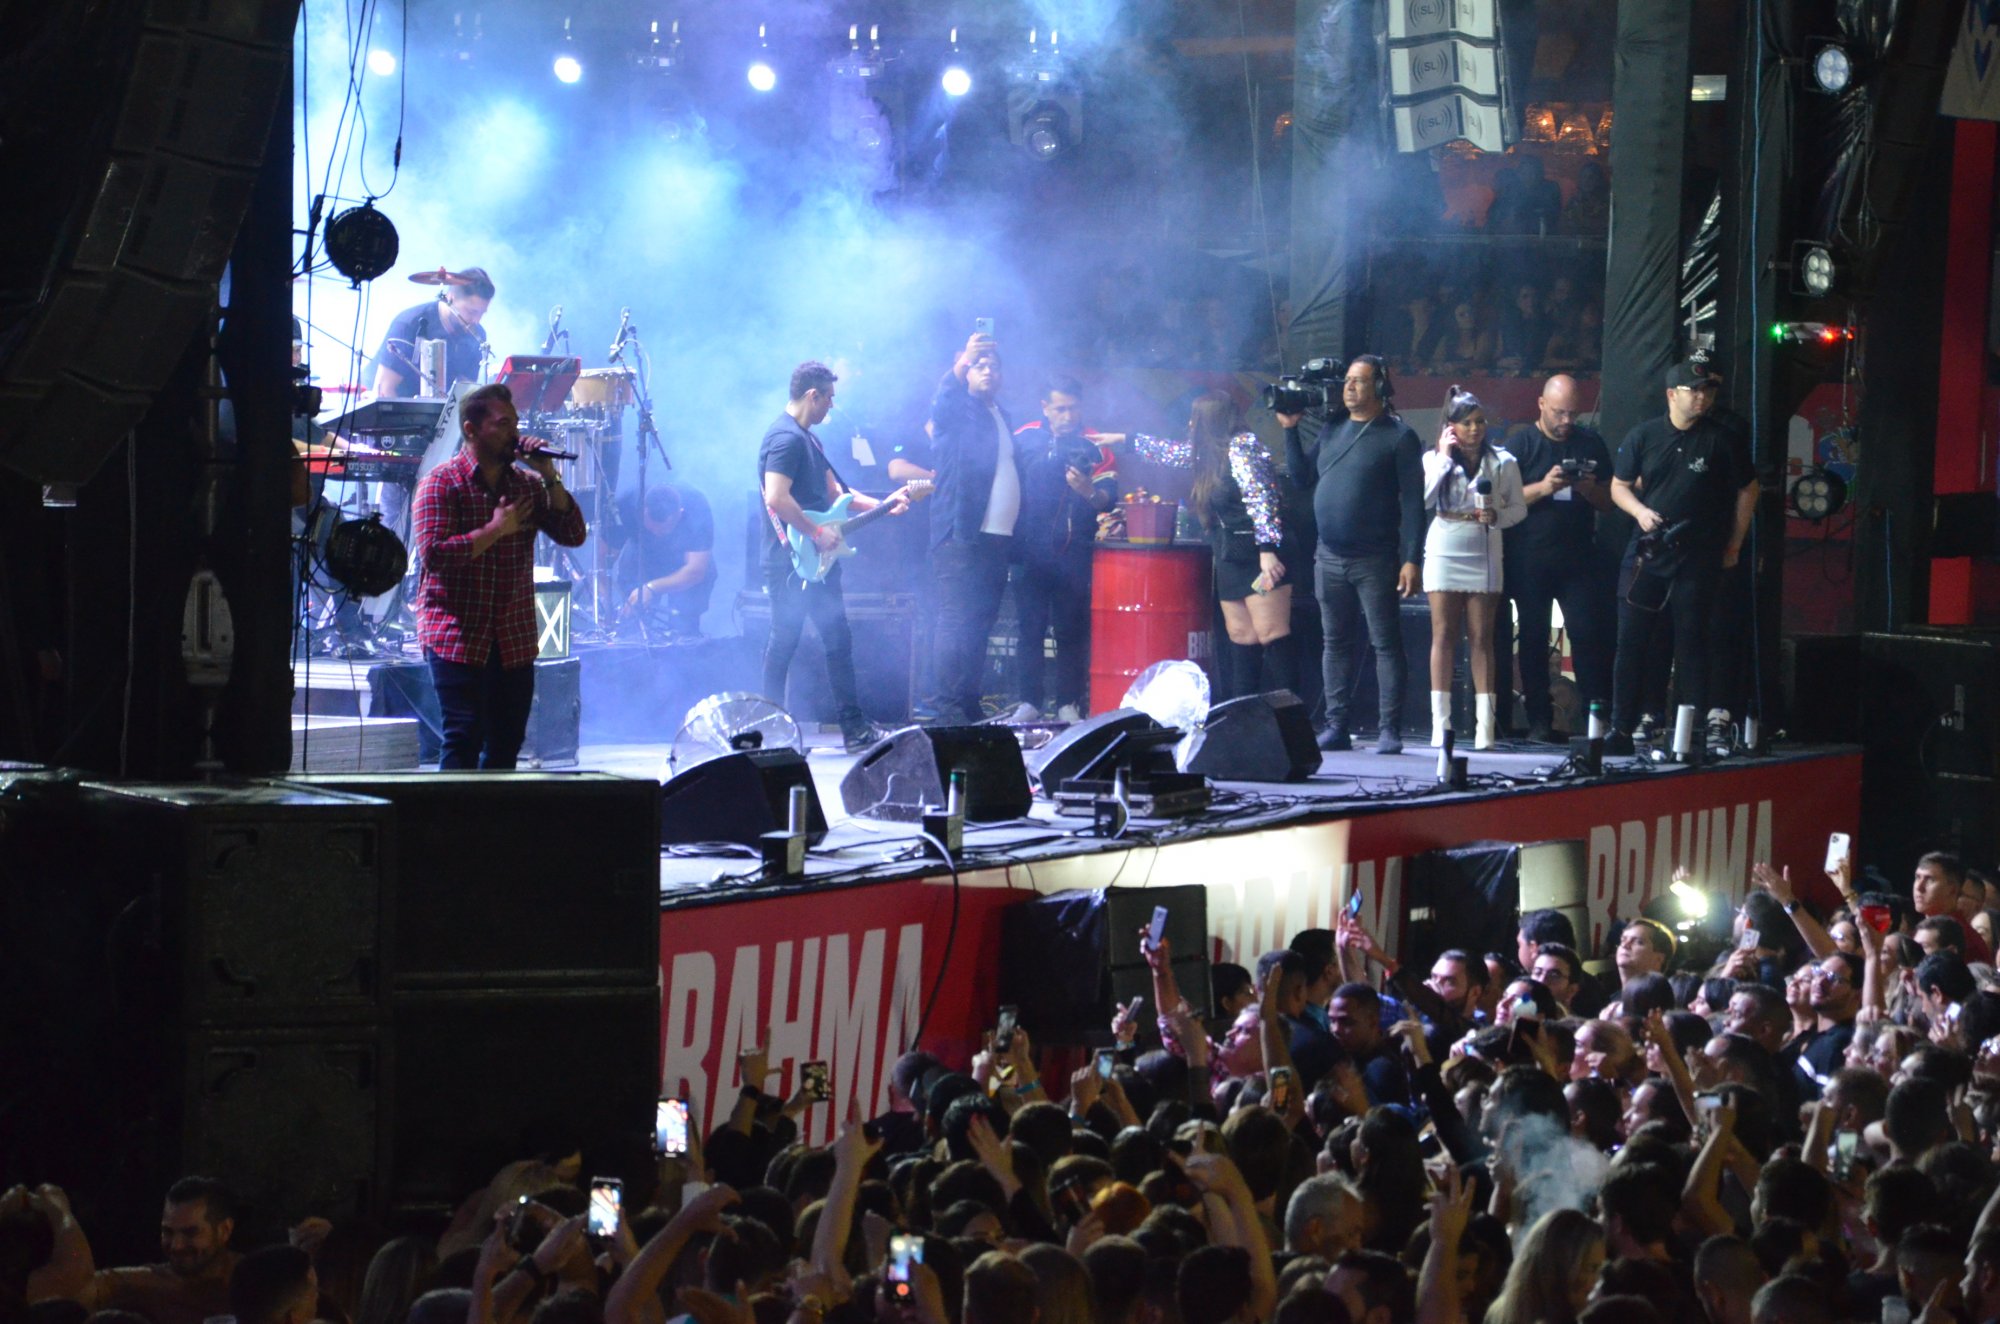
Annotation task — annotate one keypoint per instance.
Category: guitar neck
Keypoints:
(853, 522)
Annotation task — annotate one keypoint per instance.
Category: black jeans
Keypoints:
(1054, 592)
(1363, 585)
(1688, 609)
(484, 710)
(969, 578)
(792, 602)
(1581, 582)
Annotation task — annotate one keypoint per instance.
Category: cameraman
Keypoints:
(1552, 556)
(1366, 476)
(1686, 470)
(1062, 494)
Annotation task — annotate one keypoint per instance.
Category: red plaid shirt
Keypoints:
(467, 603)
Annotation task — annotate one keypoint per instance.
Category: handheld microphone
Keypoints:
(549, 451)
(1482, 494)
(555, 329)
(624, 330)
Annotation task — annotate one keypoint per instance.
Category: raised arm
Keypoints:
(1304, 468)
(1250, 465)
(1437, 1284)
(1220, 1180)
(1779, 884)
(851, 1153)
(638, 1288)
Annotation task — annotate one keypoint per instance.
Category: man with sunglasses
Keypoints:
(1686, 479)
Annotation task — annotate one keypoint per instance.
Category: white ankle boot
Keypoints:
(1440, 717)
(1489, 714)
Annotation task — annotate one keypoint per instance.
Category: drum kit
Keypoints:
(380, 448)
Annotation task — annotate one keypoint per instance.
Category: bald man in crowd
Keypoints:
(1552, 555)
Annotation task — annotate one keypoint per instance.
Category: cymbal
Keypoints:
(439, 277)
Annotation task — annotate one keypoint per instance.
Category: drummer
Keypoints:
(667, 573)
(453, 317)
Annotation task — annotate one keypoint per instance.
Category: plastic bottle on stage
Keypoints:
(1599, 728)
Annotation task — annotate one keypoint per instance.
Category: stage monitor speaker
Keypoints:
(481, 1079)
(738, 798)
(520, 878)
(1067, 959)
(1072, 751)
(1257, 738)
(908, 769)
(1930, 733)
(1820, 678)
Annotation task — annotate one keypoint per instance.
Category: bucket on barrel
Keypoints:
(1147, 605)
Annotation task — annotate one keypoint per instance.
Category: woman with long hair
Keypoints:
(1474, 490)
(1553, 1271)
(1238, 500)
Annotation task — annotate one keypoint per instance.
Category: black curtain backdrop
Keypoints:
(1649, 96)
(1336, 151)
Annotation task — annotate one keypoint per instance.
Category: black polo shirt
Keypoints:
(1564, 521)
(1693, 475)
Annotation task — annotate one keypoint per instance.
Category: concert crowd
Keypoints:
(1803, 1130)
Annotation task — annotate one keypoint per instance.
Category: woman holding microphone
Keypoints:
(1473, 489)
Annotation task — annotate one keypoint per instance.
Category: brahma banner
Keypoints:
(845, 975)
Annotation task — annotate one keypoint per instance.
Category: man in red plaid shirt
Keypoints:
(476, 518)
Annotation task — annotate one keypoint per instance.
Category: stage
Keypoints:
(841, 967)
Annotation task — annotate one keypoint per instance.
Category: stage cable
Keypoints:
(950, 940)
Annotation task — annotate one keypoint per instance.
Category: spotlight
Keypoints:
(1044, 107)
(1814, 272)
(1817, 494)
(381, 63)
(568, 69)
(762, 76)
(1832, 69)
(1692, 900)
(956, 82)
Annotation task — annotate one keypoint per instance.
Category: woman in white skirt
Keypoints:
(1474, 490)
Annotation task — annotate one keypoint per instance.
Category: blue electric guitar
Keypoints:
(813, 563)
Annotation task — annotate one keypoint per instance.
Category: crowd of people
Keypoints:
(1802, 1130)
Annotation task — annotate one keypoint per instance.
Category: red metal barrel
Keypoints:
(1147, 605)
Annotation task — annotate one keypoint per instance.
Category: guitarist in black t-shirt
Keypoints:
(1683, 471)
(794, 473)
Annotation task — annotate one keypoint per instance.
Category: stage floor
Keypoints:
(1347, 785)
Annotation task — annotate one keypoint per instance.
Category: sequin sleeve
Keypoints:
(1173, 452)
(1257, 478)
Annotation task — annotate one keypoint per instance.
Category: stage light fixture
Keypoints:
(1832, 68)
(956, 81)
(1693, 902)
(761, 75)
(361, 243)
(1811, 333)
(1816, 271)
(1044, 107)
(568, 69)
(1817, 494)
(382, 63)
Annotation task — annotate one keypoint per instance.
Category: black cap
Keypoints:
(1691, 372)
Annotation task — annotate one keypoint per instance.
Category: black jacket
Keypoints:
(1367, 483)
(968, 452)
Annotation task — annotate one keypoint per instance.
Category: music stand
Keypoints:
(539, 383)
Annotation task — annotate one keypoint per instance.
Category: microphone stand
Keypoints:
(649, 436)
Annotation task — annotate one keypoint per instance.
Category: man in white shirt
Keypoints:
(972, 526)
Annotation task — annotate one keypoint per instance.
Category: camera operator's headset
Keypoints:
(1385, 389)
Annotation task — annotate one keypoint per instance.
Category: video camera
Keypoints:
(1665, 541)
(1314, 390)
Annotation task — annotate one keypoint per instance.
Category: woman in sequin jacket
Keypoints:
(1238, 501)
